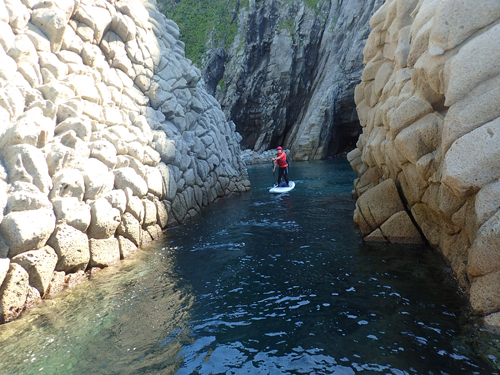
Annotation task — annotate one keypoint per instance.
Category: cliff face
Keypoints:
(106, 137)
(290, 75)
(428, 158)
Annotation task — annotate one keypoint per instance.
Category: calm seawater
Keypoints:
(261, 284)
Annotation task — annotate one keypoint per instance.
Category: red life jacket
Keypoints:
(282, 161)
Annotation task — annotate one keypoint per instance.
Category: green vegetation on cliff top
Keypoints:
(205, 24)
(202, 22)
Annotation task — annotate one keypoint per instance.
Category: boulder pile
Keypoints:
(107, 136)
(428, 159)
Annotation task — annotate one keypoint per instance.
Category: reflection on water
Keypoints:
(261, 284)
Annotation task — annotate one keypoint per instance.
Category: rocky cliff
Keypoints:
(106, 137)
(428, 158)
(289, 77)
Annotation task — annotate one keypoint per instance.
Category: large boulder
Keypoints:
(27, 163)
(130, 228)
(68, 183)
(13, 292)
(105, 219)
(27, 230)
(104, 252)
(371, 212)
(72, 248)
(128, 178)
(53, 23)
(40, 265)
(71, 211)
(24, 196)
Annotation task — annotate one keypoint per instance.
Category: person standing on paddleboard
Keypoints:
(280, 160)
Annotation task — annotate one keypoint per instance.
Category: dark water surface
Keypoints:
(261, 284)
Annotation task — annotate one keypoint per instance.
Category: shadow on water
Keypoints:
(261, 284)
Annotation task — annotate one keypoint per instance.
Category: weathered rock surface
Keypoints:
(105, 127)
(40, 265)
(291, 72)
(13, 292)
(428, 104)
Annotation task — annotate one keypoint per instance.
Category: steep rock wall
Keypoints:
(428, 104)
(106, 137)
(290, 75)
(289, 78)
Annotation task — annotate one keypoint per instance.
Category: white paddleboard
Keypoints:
(278, 189)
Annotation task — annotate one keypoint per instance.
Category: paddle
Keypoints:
(273, 174)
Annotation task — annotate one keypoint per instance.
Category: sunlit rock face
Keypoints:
(428, 104)
(107, 136)
(291, 72)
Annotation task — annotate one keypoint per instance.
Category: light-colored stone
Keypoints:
(74, 279)
(149, 213)
(154, 231)
(81, 126)
(13, 293)
(71, 211)
(23, 50)
(127, 177)
(72, 248)
(27, 163)
(99, 19)
(24, 196)
(77, 79)
(98, 179)
(462, 173)
(400, 229)
(105, 152)
(53, 23)
(57, 284)
(134, 205)
(27, 230)
(104, 252)
(162, 213)
(68, 183)
(130, 228)
(492, 322)
(487, 202)
(484, 254)
(428, 105)
(482, 53)
(40, 265)
(485, 294)
(105, 219)
(127, 247)
(376, 212)
(117, 199)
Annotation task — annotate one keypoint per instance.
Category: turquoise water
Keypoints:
(261, 284)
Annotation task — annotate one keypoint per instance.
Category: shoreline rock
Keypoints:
(251, 157)
(428, 105)
(107, 136)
